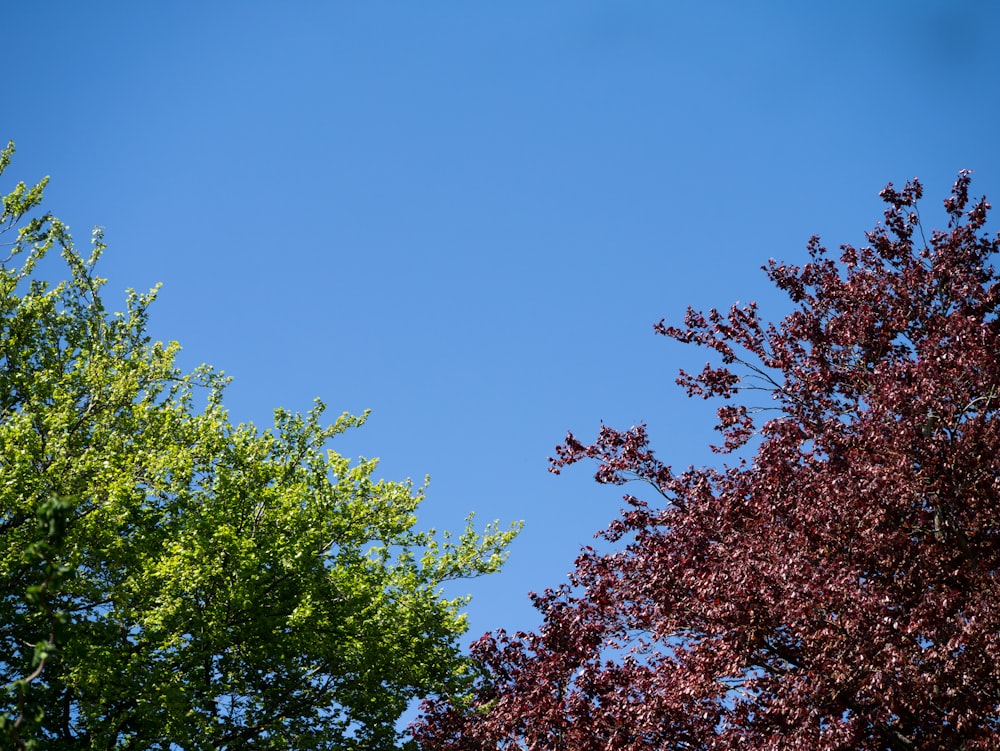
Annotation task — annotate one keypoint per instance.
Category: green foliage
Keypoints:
(169, 580)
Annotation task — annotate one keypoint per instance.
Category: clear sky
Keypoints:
(467, 216)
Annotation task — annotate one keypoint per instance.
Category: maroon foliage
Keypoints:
(836, 591)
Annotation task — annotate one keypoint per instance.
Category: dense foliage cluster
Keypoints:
(169, 580)
(837, 589)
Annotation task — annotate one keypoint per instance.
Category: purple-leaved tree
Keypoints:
(837, 589)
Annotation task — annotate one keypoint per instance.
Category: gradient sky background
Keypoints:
(468, 216)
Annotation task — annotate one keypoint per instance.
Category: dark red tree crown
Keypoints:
(836, 591)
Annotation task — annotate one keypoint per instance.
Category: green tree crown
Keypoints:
(170, 580)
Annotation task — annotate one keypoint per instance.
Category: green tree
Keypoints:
(169, 580)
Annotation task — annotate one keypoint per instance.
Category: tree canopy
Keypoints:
(834, 584)
(170, 580)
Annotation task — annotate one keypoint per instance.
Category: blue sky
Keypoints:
(467, 217)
